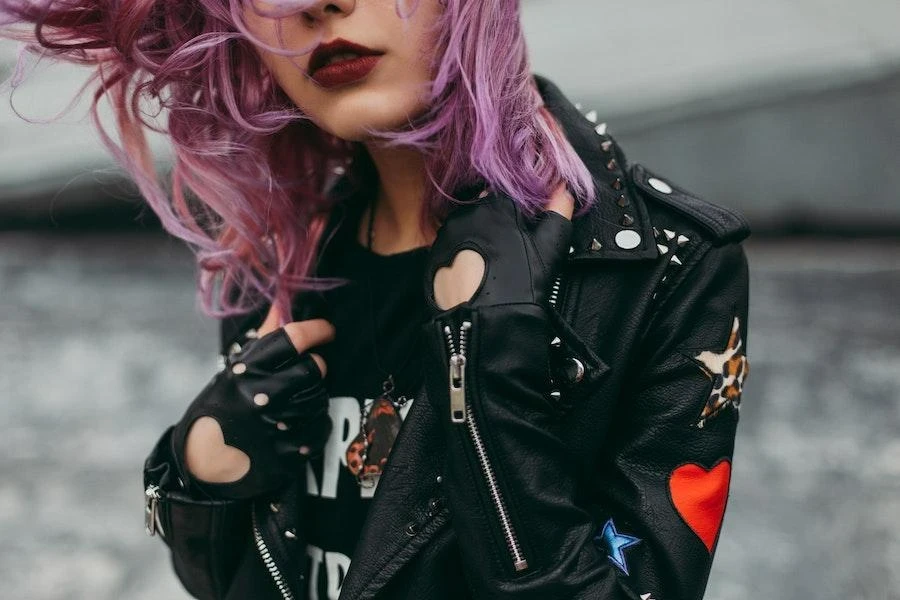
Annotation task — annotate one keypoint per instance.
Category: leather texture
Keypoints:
(621, 492)
(270, 402)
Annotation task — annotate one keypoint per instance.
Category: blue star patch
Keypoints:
(615, 543)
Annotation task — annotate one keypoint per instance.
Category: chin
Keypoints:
(352, 115)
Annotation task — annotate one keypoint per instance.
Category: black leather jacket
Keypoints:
(654, 294)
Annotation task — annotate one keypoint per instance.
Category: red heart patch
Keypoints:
(699, 496)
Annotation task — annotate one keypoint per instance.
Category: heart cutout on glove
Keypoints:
(209, 430)
(458, 282)
(699, 496)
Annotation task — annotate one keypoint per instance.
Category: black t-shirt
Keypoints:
(336, 505)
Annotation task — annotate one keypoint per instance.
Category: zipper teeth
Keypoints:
(512, 541)
(554, 293)
(280, 583)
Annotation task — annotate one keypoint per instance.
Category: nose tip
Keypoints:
(317, 11)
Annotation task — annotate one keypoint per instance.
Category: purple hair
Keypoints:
(254, 222)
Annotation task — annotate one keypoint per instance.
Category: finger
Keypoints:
(309, 333)
(271, 323)
(562, 201)
(320, 362)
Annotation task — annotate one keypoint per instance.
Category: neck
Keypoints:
(399, 200)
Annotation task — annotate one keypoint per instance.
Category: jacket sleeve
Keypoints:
(206, 536)
(663, 480)
(644, 527)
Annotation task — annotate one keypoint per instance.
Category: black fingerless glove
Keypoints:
(271, 404)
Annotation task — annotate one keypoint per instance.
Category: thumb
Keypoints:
(271, 323)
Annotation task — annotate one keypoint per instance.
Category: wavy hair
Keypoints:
(254, 222)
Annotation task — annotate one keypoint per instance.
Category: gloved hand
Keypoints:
(271, 404)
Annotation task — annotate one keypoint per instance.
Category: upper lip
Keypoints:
(326, 50)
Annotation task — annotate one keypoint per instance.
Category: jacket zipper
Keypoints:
(554, 293)
(151, 510)
(280, 583)
(461, 412)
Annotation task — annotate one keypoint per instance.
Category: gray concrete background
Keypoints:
(103, 347)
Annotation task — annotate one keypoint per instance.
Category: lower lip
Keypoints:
(345, 71)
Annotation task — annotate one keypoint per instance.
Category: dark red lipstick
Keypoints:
(328, 73)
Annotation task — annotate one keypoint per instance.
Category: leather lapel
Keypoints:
(406, 485)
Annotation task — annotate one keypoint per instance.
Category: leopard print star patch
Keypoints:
(727, 370)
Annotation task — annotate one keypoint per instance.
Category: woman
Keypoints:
(437, 279)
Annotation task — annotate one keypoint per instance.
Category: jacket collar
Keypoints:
(617, 226)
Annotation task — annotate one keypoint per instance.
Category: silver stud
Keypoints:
(234, 348)
(595, 245)
(682, 240)
(669, 234)
(606, 146)
(664, 278)
(303, 450)
(220, 362)
(483, 194)
(289, 534)
(579, 369)
(571, 249)
(339, 170)
(274, 507)
(662, 249)
(281, 425)
(628, 239)
(578, 106)
(622, 201)
(675, 260)
(591, 116)
(627, 220)
(261, 399)
(252, 334)
(438, 478)
(655, 232)
(600, 129)
(555, 395)
(238, 368)
(612, 165)
(411, 528)
(556, 342)
(654, 295)
(659, 185)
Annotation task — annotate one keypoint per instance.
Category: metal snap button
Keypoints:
(659, 185)
(628, 239)
(575, 370)
(412, 529)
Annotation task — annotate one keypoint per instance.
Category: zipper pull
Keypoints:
(457, 372)
(457, 388)
(151, 509)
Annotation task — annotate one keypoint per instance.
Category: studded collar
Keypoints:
(618, 226)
